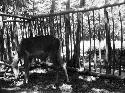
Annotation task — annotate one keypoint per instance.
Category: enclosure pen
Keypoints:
(91, 39)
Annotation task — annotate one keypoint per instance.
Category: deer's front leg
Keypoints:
(65, 70)
(63, 65)
(27, 62)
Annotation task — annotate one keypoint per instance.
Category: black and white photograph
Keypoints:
(62, 46)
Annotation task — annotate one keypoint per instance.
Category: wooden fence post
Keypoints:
(1, 38)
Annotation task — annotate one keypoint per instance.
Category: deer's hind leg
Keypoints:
(27, 63)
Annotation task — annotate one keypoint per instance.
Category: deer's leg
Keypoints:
(26, 68)
(63, 65)
(65, 70)
(53, 59)
(57, 76)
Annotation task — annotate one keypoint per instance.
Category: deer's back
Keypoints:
(39, 45)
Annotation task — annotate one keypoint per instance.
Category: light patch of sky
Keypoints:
(43, 7)
(115, 1)
(74, 3)
(112, 1)
(60, 5)
(94, 3)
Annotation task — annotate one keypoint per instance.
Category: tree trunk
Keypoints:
(52, 31)
(108, 43)
(76, 55)
(67, 31)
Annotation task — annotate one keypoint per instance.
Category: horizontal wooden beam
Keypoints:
(14, 21)
(15, 16)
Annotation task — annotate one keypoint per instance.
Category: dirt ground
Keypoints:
(45, 83)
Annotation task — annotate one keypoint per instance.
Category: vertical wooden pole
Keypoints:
(41, 26)
(99, 38)
(113, 38)
(1, 38)
(94, 37)
(83, 42)
(121, 44)
(8, 44)
(90, 44)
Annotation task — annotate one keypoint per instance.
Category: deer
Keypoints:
(40, 47)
